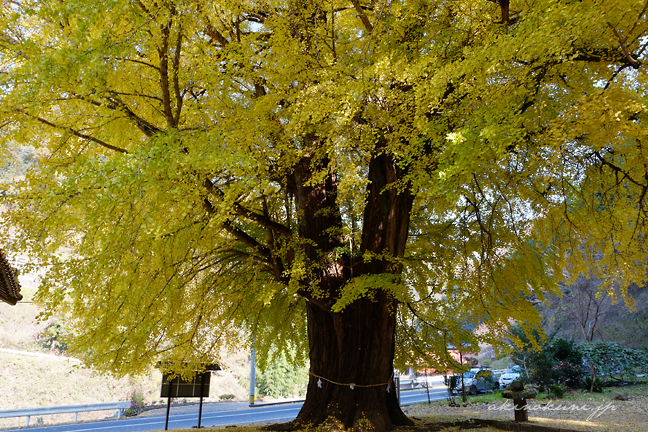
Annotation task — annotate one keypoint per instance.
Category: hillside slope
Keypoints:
(27, 381)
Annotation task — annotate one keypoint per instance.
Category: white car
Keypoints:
(474, 381)
(510, 376)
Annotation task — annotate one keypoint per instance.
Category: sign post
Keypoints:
(202, 387)
(166, 424)
(198, 386)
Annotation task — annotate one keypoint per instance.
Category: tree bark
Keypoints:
(351, 353)
(351, 381)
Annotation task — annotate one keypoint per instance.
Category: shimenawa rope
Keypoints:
(351, 385)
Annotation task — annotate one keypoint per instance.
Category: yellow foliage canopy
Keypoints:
(178, 135)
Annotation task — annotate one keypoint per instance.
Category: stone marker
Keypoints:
(520, 393)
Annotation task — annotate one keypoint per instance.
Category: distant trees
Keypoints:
(54, 336)
(588, 310)
(282, 379)
(591, 306)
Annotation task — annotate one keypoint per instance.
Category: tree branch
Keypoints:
(241, 235)
(248, 240)
(604, 54)
(136, 61)
(362, 16)
(616, 169)
(116, 104)
(277, 265)
(504, 6)
(240, 210)
(633, 62)
(317, 302)
(164, 75)
(216, 35)
(79, 134)
(176, 77)
(143, 125)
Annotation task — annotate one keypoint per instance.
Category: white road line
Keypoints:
(255, 412)
(176, 420)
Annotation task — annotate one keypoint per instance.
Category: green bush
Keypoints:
(54, 335)
(490, 382)
(137, 404)
(560, 361)
(569, 374)
(614, 361)
(556, 390)
(597, 387)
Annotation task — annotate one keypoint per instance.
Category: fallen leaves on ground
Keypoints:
(597, 416)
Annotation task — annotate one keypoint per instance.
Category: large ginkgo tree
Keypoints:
(360, 181)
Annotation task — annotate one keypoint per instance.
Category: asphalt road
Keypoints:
(214, 414)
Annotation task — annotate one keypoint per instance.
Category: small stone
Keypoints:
(620, 396)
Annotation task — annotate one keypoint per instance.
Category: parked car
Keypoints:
(476, 380)
(508, 377)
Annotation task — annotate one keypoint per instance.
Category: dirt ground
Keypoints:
(598, 416)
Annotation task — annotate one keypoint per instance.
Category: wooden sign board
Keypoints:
(186, 388)
(178, 387)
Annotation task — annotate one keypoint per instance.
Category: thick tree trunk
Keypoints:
(351, 381)
(351, 353)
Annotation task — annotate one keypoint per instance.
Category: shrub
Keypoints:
(490, 382)
(53, 337)
(556, 390)
(138, 398)
(569, 374)
(613, 360)
(597, 387)
(560, 361)
(137, 404)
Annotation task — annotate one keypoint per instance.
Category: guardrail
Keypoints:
(76, 409)
(407, 384)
